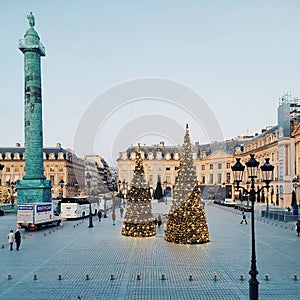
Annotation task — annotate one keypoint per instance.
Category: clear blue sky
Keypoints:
(239, 56)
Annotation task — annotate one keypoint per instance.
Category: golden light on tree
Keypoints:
(186, 219)
(138, 219)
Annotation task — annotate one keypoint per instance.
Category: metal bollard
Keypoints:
(87, 277)
(138, 277)
(9, 277)
(267, 277)
(34, 277)
(295, 277)
(112, 277)
(49, 231)
(190, 277)
(45, 234)
(163, 277)
(2, 246)
(59, 277)
(242, 277)
(215, 276)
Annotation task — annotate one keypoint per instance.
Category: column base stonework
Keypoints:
(33, 190)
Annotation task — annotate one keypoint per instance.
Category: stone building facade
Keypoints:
(213, 164)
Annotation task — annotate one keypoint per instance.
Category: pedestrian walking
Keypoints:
(99, 215)
(10, 239)
(298, 227)
(243, 218)
(18, 239)
(113, 216)
(121, 211)
(159, 221)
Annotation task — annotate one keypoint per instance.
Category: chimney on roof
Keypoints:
(197, 144)
(162, 143)
(18, 145)
(263, 130)
(58, 145)
(256, 134)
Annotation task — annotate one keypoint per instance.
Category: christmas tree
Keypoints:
(158, 191)
(186, 220)
(138, 219)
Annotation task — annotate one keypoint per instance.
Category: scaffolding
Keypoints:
(294, 108)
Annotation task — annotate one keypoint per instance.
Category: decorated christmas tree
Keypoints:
(186, 220)
(138, 219)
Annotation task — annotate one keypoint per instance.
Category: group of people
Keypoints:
(113, 215)
(14, 237)
(158, 221)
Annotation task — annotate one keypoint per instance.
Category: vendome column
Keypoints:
(33, 187)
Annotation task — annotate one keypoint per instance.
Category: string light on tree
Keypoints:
(138, 219)
(187, 220)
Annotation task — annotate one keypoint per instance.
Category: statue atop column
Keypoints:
(31, 19)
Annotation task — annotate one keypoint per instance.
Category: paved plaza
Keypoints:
(76, 252)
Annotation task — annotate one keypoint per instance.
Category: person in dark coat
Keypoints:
(99, 215)
(298, 227)
(243, 218)
(159, 221)
(18, 239)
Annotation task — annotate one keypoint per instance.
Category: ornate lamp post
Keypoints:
(88, 181)
(61, 191)
(12, 186)
(267, 173)
(295, 183)
(124, 190)
(76, 189)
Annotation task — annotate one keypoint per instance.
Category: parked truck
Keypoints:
(36, 215)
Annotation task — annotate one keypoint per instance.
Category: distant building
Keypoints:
(62, 167)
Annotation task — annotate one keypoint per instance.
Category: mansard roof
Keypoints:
(47, 150)
(271, 130)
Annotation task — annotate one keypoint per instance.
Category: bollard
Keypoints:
(59, 277)
(45, 234)
(138, 277)
(190, 277)
(87, 277)
(9, 277)
(76, 224)
(267, 277)
(215, 276)
(163, 277)
(242, 277)
(49, 231)
(295, 277)
(112, 277)
(34, 277)
(2, 246)
(73, 226)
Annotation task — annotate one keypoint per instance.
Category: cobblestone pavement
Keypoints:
(75, 251)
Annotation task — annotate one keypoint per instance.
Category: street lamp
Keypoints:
(12, 200)
(61, 191)
(88, 181)
(1, 168)
(76, 189)
(124, 190)
(295, 183)
(267, 173)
